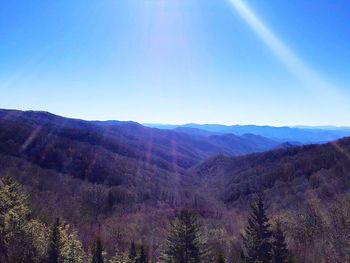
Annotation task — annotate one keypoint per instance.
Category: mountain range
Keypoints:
(50, 141)
(126, 180)
(138, 159)
(297, 134)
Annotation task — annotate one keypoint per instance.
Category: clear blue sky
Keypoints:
(178, 61)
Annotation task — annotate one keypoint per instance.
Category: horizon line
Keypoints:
(147, 124)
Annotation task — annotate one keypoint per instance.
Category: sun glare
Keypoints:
(310, 79)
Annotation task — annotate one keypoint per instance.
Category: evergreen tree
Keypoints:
(97, 256)
(54, 246)
(132, 252)
(71, 248)
(10, 210)
(280, 250)
(184, 243)
(110, 201)
(143, 257)
(19, 236)
(37, 240)
(257, 236)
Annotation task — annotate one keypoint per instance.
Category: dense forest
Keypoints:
(25, 239)
(309, 238)
(76, 191)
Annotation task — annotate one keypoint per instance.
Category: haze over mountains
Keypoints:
(301, 134)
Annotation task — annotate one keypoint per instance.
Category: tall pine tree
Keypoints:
(22, 239)
(257, 236)
(132, 252)
(97, 256)
(54, 246)
(143, 257)
(280, 251)
(71, 250)
(15, 245)
(185, 243)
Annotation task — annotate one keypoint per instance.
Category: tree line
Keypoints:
(24, 239)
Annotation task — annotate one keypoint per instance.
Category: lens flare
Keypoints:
(306, 76)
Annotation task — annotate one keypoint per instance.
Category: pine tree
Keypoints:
(71, 250)
(97, 256)
(8, 207)
(110, 201)
(132, 252)
(37, 240)
(184, 243)
(54, 246)
(257, 236)
(280, 250)
(143, 257)
(22, 239)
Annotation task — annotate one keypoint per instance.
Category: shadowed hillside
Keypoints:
(96, 150)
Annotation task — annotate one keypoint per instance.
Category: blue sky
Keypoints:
(178, 61)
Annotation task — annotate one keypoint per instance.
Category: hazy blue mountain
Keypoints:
(300, 134)
(195, 131)
(330, 128)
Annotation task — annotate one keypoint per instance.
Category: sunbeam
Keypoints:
(340, 149)
(307, 76)
(34, 134)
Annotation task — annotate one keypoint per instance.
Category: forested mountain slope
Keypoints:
(140, 160)
(108, 151)
(287, 176)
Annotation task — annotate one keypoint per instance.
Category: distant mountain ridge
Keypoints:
(301, 134)
(82, 148)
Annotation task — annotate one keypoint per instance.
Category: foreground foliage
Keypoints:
(315, 234)
(185, 242)
(23, 239)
